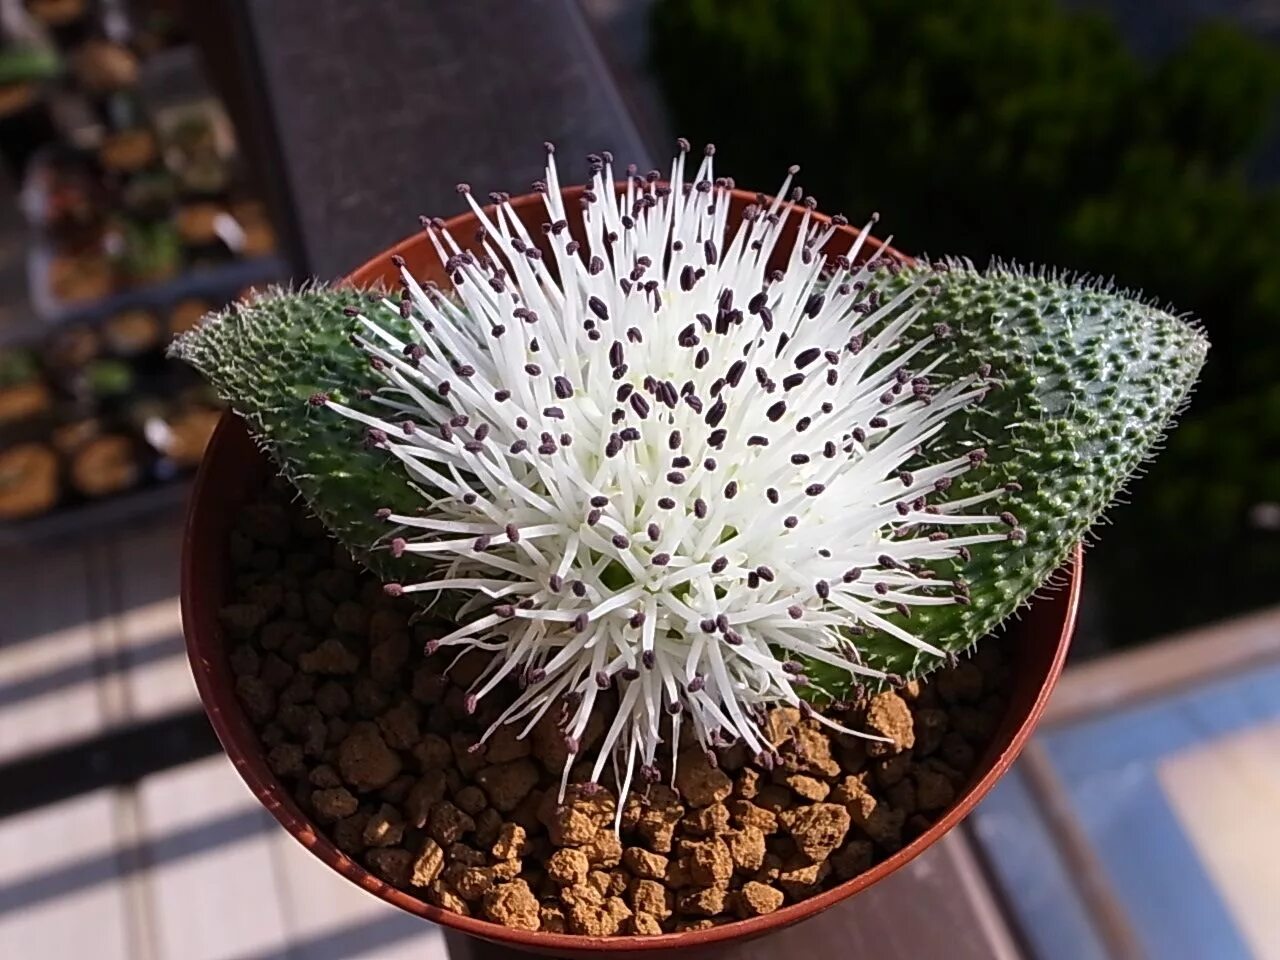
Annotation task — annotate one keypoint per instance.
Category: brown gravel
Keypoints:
(374, 741)
(756, 898)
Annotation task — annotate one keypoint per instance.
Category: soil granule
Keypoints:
(375, 742)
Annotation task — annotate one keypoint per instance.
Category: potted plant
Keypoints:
(667, 519)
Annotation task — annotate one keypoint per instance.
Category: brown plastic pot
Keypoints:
(233, 471)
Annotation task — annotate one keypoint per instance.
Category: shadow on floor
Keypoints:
(364, 939)
(117, 864)
(89, 669)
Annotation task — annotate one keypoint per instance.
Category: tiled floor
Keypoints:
(184, 864)
(1141, 820)
(1234, 780)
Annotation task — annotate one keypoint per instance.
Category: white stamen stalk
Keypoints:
(666, 471)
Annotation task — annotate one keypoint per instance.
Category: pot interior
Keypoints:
(234, 471)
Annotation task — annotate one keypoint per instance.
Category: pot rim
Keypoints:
(273, 795)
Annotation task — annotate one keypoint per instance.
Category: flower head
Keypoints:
(661, 467)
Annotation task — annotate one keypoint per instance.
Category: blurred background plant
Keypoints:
(1020, 129)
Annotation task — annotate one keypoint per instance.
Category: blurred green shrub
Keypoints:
(1015, 128)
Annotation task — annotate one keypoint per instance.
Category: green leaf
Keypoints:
(266, 359)
(1086, 382)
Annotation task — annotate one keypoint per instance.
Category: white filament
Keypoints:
(697, 586)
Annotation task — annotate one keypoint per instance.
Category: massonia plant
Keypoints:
(635, 458)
